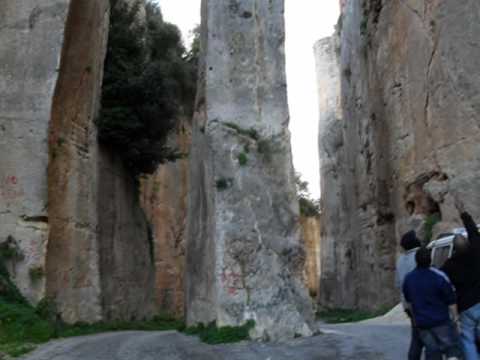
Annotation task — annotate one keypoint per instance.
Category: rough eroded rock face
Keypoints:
(73, 274)
(126, 258)
(99, 259)
(409, 141)
(30, 45)
(97, 263)
(335, 285)
(244, 256)
(164, 198)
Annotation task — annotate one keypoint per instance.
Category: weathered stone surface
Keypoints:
(97, 263)
(73, 274)
(244, 255)
(125, 245)
(410, 138)
(335, 284)
(31, 40)
(164, 198)
(99, 259)
(311, 238)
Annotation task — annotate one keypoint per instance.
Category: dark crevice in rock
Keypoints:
(40, 218)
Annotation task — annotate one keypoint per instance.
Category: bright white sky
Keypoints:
(307, 21)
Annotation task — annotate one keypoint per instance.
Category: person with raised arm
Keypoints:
(463, 269)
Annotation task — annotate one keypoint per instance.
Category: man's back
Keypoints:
(430, 293)
(464, 269)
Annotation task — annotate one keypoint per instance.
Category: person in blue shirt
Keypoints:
(431, 299)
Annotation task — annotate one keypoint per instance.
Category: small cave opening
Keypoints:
(421, 204)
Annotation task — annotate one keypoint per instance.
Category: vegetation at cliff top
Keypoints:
(149, 81)
(308, 206)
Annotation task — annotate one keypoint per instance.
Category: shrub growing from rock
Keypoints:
(149, 79)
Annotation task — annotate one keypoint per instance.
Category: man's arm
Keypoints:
(468, 222)
(455, 316)
(471, 227)
(450, 297)
(454, 312)
(409, 311)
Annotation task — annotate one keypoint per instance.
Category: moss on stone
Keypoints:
(242, 159)
(211, 334)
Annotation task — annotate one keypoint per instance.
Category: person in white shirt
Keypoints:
(405, 264)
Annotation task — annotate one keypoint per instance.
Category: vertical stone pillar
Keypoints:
(334, 288)
(73, 273)
(244, 255)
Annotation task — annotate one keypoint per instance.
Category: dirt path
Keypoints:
(385, 338)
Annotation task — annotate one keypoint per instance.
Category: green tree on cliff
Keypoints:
(309, 207)
(148, 83)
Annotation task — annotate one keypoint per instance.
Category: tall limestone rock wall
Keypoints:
(335, 284)
(164, 198)
(72, 268)
(407, 141)
(126, 254)
(244, 255)
(67, 204)
(24, 120)
(29, 63)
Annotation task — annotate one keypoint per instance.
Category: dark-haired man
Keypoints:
(405, 264)
(464, 271)
(431, 298)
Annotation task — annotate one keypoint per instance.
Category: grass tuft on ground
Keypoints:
(22, 327)
(159, 323)
(211, 334)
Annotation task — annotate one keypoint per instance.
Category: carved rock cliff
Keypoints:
(164, 198)
(69, 205)
(405, 142)
(244, 255)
